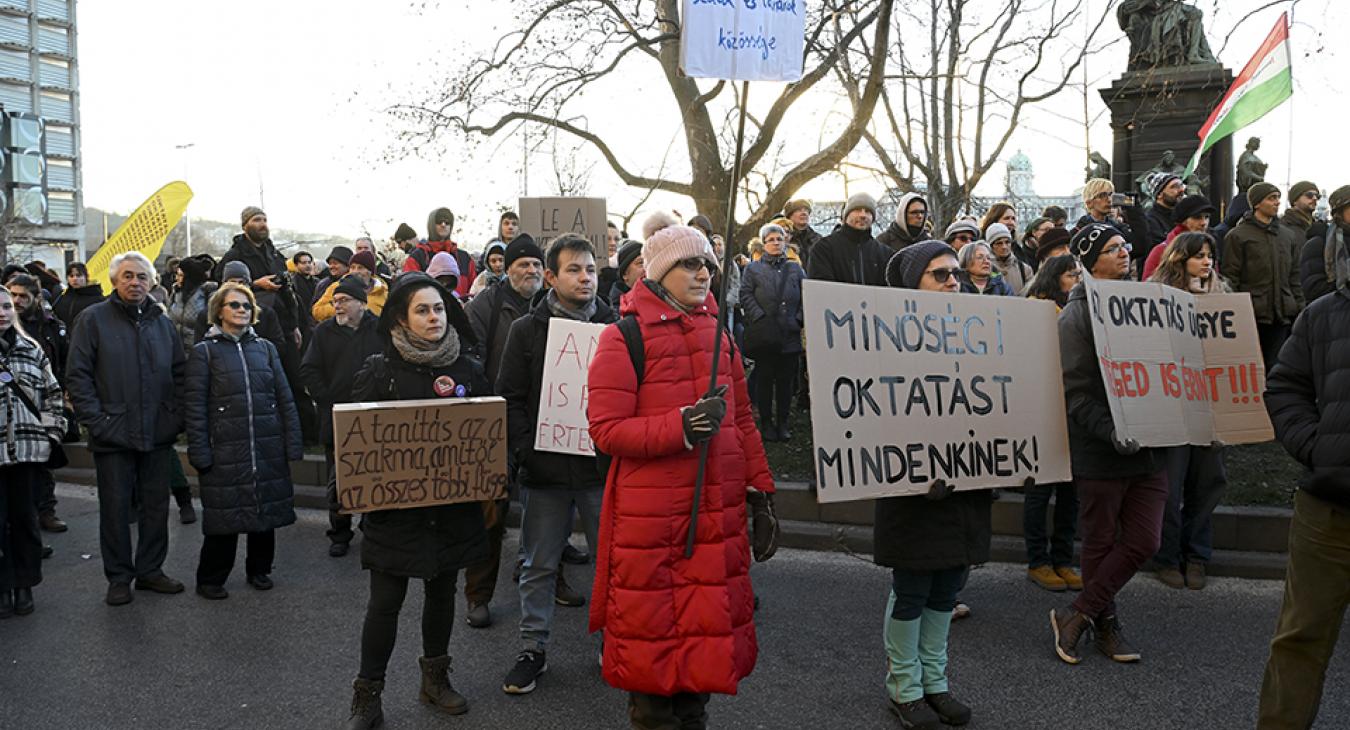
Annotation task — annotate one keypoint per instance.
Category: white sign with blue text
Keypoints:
(743, 40)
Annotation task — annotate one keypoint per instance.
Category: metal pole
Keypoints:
(727, 262)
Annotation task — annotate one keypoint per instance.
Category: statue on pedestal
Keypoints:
(1167, 164)
(1250, 168)
(1099, 168)
(1163, 33)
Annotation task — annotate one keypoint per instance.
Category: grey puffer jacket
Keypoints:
(243, 431)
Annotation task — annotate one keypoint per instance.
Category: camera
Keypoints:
(1122, 200)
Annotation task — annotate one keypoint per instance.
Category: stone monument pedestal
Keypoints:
(1163, 109)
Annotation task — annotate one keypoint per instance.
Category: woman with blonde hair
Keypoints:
(1195, 474)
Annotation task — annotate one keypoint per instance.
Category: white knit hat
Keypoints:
(671, 245)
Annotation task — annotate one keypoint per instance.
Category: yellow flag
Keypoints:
(144, 231)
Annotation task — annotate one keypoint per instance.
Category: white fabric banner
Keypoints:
(743, 40)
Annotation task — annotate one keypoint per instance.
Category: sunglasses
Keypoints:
(963, 237)
(694, 265)
(942, 275)
(240, 305)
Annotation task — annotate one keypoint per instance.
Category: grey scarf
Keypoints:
(1335, 257)
(560, 309)
(415, 350)
(660, 291)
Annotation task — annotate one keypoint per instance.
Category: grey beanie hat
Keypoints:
(235, 270)
(996, 231)
(768, 228)
(906, 267)
(963, 225)
(863, 201)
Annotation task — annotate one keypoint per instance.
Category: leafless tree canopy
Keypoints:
(935, 87)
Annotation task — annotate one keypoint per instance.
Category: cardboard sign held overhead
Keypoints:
(563, 426)
(547, 218)
(1178, 368)
(910, 386)
(419, 453)
(744, 40)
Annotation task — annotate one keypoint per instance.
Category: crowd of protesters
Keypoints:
(248, 355)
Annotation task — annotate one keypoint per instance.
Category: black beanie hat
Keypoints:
(1088, 242)
(352, 286)
(628, 253)
(523, 246)
(196, 269)
(1050, 240)
(342, 254)
(404, 233)
(1193, 205)
(905, 269)
(1260, 191)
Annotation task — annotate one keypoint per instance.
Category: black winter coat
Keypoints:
(243, 431)
(73, 301)
(334, 356)
(421, 542)
(771, 293)
(896, 236)
(521, 383)
(850, 256)
(616, 293)
(262, 261)
(1091, 450)
(52, 335)
(124, 376)
(1312, 268)
(805, 240)
(917, 533)
(1308, 397)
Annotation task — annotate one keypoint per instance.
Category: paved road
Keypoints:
(285, 659)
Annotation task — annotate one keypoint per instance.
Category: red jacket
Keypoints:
(1155, 257)
(672, 625)
(420, 257)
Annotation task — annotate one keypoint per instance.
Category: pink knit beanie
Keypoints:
(671, 244)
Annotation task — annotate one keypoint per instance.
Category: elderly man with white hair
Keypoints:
(125, 377)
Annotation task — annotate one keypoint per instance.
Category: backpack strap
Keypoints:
(632, 337)
(419, 255)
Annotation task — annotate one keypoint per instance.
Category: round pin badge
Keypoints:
(444, 386)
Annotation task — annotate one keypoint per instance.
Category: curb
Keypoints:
(1249, 542)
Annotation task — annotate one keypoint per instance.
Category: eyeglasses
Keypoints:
(774, 239)
(240, 305)
(1075, 274)
(942, 275)
(694, 265)
(1115, 248)
(963, 237)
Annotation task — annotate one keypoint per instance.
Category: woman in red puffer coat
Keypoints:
(676, 629)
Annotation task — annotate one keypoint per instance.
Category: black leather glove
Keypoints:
(1128, 447)
(764, 527)
(703, 420)
(939, 490)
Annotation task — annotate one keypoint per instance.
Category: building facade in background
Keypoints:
(42, 204)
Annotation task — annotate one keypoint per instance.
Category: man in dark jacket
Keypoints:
(802, 236)
(51, 335)
(440, 224)
(851, 255)
(125, 378)
(490, 316)
(267, 269)
(556, 482)
(1317, 274)
(339, 262)
(1122, 489)
(630, 271)
(1166, 189)
(1308, 398)
(78, 296)
(911, 223)
(339, 347)
(303, 282)
(1261, 258)
(1303, 199)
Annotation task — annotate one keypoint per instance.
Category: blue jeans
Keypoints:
(1196, 482)
(543, 532)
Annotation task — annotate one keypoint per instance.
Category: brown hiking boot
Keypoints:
(436, 690)
(1070, 577)
(1111, 642)
(1068, 624)
(1045, 577)
(367, 710)
(1171, 577)
(1195, 575)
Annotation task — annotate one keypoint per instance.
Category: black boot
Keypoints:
(367, 710)
(186, 513)
(23, 601)
(784, 433)
(6, 604)
(436, 690)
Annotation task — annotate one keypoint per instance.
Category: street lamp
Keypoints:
(187, 218)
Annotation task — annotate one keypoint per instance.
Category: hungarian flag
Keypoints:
(1265, 82)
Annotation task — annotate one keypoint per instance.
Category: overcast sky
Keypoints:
(283, 103)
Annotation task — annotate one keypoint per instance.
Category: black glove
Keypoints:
(703, 419)
(764, 528)
(939, 490)
(1128, 447)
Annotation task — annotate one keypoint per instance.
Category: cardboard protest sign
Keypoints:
(1165, 357)
(1235, 369)
(910, 386)
(744, 40)
(562, 425)
(419, 453)
(547, 218)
